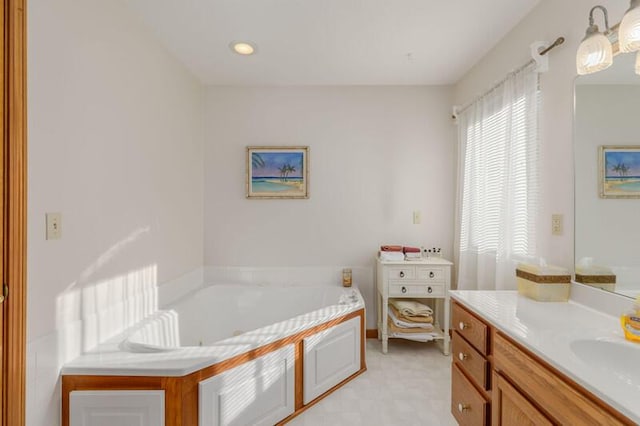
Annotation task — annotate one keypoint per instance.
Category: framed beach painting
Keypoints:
(278, 172)
(619, 171)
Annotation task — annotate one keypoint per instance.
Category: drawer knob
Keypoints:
(404, 289)
(431, 274)
(463, 407)
(429, 290)
(462, 356)
(463, 325)
(401, 274)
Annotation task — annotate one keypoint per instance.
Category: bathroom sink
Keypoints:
(618, 358)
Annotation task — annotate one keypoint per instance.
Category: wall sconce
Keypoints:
(595, 52)
(629, 31)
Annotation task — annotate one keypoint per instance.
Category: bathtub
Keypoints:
(224, 354)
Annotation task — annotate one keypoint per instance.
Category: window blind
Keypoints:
(498, 174)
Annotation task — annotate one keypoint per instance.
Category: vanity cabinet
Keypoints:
(510, 407)
(496, 381)
(527, 378)
(470, 378)
(427, 278)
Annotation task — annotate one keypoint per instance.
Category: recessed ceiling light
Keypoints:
(243, 47)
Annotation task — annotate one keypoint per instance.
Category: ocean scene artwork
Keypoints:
(620, 172)
(277, 172)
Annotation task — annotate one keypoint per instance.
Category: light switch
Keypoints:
(417, 217)
(54, 226)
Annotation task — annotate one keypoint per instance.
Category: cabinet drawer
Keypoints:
(471, 328)
(470, 360)
(431, 274)
(468, 406)
(562, 401)
(400, 289)
(401, 272)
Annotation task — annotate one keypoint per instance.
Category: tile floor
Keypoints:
(409, 386)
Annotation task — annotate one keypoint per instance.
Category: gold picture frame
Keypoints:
(277, 172)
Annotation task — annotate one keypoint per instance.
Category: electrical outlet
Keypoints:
(416, 217)
(54, 226)
(556, 224)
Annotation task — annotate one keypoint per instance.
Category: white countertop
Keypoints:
(547, 329)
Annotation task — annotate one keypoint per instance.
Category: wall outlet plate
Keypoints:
(557, 224)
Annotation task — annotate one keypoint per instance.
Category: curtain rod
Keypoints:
(556, 43)
(535, 52)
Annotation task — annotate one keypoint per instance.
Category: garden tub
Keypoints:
(224, 354)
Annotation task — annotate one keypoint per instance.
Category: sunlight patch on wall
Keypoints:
(95, 312)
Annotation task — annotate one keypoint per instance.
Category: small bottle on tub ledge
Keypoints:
(346, 277)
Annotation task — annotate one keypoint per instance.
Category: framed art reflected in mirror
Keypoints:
(619, 168)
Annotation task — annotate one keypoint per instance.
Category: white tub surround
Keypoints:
(149, 357)
(303, 276)
(554, 332)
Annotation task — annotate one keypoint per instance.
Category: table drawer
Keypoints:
(470, 360)
(471, 328)
(401, 289)
(401, 272)
(468, 406)
(431, 274)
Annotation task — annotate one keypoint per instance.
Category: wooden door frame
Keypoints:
(14, 214)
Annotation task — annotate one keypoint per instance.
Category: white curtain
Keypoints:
(498, 183)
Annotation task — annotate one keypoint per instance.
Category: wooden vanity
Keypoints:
(496, 381)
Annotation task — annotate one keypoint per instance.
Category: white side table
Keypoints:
(427, 278)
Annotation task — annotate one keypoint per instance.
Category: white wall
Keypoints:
(547, 21)
(376, 155)
(605, 115)
(115, 145)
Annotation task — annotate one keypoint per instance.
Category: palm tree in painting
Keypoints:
(285, 169)
(257, 161)
(283, 172)
(290, 169)
(621, 169)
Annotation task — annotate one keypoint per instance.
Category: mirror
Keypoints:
(607, 181)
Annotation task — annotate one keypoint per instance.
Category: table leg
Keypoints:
(385, 314)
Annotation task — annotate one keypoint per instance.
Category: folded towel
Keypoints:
(422, 326)
(411, 308)
(391, 248)
(411, 249)
(410, 320)
(411, 330)
(391, 256)
(413, 256)
(419, 336)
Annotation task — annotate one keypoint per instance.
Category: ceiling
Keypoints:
(331, 42)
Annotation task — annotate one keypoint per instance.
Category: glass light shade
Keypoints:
(242, 48)
(594, 54)
(629, 31)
